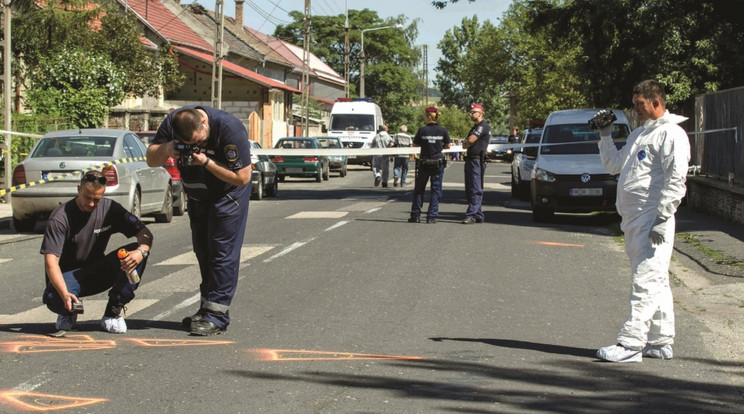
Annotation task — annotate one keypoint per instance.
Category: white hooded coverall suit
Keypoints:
(652, 167)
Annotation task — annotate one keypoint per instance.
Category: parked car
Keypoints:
(568, 175)
(263, 175)
(62, 156)
(300, 165)
(179, 196)
(523, 162)
(496, 149)
(337, 163)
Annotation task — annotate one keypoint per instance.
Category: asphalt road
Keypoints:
(344, 307)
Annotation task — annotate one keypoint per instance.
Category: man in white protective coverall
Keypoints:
(652, 167)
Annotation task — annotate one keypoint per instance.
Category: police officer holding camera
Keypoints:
(432, 138)
(213, 150)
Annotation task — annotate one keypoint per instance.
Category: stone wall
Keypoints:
(716, 197)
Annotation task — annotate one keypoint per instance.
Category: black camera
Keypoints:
(187, 152)
(602, 119)
(77, 307)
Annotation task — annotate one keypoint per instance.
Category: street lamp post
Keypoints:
(361, 69)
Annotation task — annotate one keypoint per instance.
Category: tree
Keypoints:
(58, 32)
(391, 58)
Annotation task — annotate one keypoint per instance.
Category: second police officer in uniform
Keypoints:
(432, 139)
(475, 164)
(218, 185)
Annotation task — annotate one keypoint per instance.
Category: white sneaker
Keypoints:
(65, 322)
(658, 351)
(114, 325)
(619, 353)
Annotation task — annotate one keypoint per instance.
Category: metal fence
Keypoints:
(715, 142)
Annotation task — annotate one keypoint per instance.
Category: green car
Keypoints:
(301, 165)
(336, 162)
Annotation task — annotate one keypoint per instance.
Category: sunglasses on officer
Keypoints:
(474, 112)
(90, 178)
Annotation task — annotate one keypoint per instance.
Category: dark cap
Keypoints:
(431, 109)
(476, 106)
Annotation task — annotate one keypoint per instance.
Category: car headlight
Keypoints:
(542, 175)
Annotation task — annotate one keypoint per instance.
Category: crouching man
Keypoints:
(75, 259)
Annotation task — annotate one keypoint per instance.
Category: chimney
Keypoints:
(239, 12)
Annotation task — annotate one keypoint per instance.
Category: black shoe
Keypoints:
(480, 221)
(384, 184)
(395, 182)
(205, 328)
(432, 221)
(468, 220)
(187, 321)
(377, 181)
(414, 220)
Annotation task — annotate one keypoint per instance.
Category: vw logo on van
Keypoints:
(585, 178)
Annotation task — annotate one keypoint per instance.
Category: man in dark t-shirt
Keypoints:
(75, 259)
(432, 138)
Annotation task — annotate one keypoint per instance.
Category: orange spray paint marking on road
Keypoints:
(29, 344)
(34, 401)
(175, 342)
(303, 355)
(544, 243)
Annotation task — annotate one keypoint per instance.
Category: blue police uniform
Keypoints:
(431, 138)
(475, 168)
(218, 211)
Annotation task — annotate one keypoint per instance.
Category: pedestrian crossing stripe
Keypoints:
(318, 214)
(247, 252)
(94, 309)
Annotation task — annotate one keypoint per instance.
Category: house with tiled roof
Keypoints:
(263, 103)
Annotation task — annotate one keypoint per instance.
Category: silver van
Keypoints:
(568, 175)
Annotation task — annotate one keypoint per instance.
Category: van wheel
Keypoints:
(24, 225)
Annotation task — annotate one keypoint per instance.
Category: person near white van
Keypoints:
(652, 167)
(381, 163)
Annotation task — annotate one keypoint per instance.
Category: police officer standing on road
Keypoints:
(475, 164)
(432, 138)
(218, 185)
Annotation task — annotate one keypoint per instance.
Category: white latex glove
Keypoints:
(658, 231)
(606, 132)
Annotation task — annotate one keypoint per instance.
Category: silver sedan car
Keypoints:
(57, 160)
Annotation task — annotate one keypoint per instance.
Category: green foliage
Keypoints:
(30, 124)
(456, 121)
(77, 83)
(391, 58)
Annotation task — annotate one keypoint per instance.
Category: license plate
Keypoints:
(294, 170)
(584, 192)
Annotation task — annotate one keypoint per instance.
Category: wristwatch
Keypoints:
(144, 252)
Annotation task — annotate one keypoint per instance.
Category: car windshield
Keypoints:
(353, 122)
(578, 139)
(329, 142)
(499, 140)
(295, 143)
(77, 146)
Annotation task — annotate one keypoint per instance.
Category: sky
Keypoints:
(265, 15)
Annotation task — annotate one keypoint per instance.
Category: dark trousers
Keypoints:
(93, 279)
(217, 230)
(423, 176)
(474, 171)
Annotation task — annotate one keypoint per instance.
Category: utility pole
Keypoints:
(219, 41)
(306, 71)
(7, 87)
(425, 91)
(346, 51)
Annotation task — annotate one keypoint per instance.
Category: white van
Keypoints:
(355, 121)
(568, 175)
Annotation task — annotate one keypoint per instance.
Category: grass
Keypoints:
(716, 255)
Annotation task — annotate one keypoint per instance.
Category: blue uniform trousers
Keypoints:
(474, 171)
(94, 278)
(422, 178)
(217, 230)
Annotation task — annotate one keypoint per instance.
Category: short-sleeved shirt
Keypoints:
(228, 144)
(431, 138)
(78, 238)
(483, 131)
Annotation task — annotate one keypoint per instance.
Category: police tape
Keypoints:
(74, 173)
